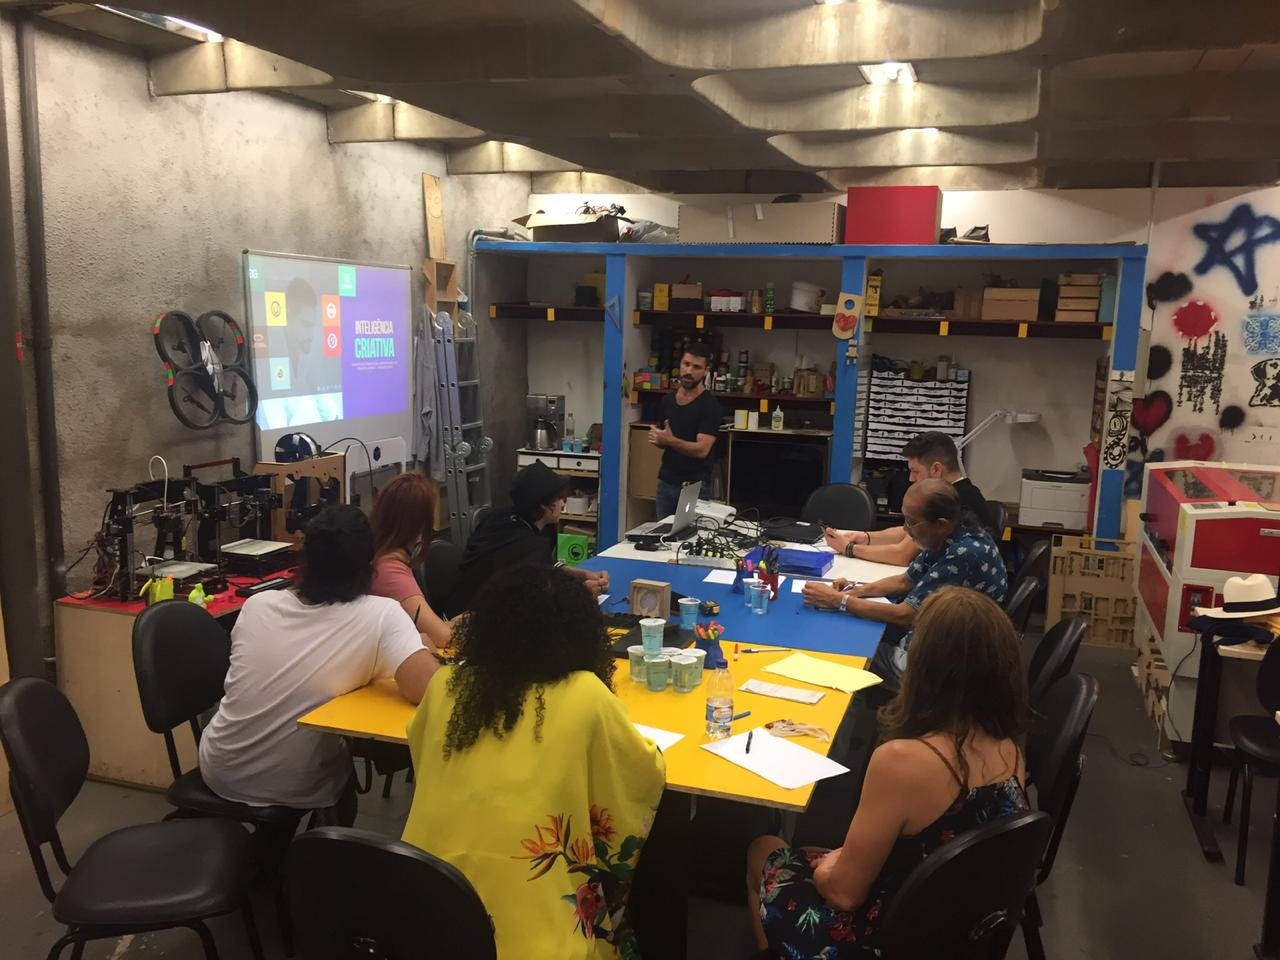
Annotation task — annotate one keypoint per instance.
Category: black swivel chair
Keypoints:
(1021, 599)
(440, 575)
(1257, 743)
(356, 893)
(1054, 656)
(997, 517)
(1034, 564)
(964, 901)
(154, 876)
(845, 506)
(1055, 766)
(180, 659)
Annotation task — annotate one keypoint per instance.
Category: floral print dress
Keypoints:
(801, 925)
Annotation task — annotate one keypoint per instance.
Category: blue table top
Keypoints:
(789, 622)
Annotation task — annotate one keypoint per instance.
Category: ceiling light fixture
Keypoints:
(890, 72)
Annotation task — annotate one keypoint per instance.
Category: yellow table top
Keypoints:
(379, 712)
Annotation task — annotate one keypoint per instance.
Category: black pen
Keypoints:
(750, 734)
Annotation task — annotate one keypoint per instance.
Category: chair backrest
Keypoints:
(1268, 683)
(1018, 606)
(181, 655)
(1035, 564)
(440, 575)
(48, 761)
(964, 901)
(1054, 761)
(1054, 655)
(352, 889)
(845, 506)
(998, 517)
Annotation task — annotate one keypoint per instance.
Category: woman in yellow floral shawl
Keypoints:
(530, 777)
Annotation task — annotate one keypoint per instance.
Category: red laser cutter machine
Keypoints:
(1202, 523)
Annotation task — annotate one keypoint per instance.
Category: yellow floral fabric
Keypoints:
(547, 827)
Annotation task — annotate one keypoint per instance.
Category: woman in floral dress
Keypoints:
(950, 761)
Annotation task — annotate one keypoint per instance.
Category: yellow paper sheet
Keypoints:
(823, 673)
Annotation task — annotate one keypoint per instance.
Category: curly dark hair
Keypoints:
(337, 556)
(527, 628)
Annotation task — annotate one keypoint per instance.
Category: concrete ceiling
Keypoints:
(766, 95)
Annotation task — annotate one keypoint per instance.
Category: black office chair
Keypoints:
(1054, 656)
(1020, 602)
(964, 901)
(1257, 743)
(440, 575)
(1034, 564)
(356, 893)
(1055, 765)
(845, 506)
(153, 876)
(180, 659)
(997, 517)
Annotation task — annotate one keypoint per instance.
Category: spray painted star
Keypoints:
(1219, 249)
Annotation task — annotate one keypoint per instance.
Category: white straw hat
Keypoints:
(1251, 596)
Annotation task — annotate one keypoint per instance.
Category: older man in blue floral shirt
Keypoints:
(952, 554)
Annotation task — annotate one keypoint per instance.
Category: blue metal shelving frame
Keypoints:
(1128, 260)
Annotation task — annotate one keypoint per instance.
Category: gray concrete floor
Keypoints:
(1129, 880)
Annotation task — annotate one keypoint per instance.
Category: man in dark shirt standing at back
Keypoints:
(690, 424)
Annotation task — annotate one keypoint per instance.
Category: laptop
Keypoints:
(682, 524)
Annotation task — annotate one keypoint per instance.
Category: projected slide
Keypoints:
(330, 340)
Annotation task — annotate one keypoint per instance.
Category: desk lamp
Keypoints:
(1008, 416)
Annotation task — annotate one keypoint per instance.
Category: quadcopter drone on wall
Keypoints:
(205, 365)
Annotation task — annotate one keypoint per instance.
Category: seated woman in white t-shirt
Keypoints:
(293, 650)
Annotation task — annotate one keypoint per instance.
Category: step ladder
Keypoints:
(466, 446)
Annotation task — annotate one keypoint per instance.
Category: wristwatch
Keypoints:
(844, 603)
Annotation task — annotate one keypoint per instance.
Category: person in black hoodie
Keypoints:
(525, 534)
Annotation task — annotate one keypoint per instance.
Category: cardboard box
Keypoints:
(968, 304)
(1076, 316)
(1077, 303)
(441, 285)
(572, 228)
(1087, 291)
(686, 291)
(893, 215)
(821, 222)
(662, 296)
(1016, 304)
(1079, 279)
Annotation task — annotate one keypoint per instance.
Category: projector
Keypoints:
(721, 513)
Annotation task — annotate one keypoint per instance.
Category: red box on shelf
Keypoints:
(893, 215)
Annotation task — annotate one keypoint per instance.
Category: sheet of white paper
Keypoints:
(719, 576)
(777, 759)
(797, 586)
(665, 739)
(781, 691)
(602, 598)
(878, 599)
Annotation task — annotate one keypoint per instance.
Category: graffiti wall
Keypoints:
(1213, 367)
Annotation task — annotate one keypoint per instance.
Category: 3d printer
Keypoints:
(165, 504)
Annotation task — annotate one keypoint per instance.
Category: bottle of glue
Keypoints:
(777, 418)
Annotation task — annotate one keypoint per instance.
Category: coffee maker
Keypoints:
(542, 411)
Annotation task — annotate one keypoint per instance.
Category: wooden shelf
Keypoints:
(1033, 330)
(534, 311)
(771, 397)
(779, 320)
(580, 517)
(578, 473)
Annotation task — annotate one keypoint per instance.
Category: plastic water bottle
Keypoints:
(719, 702)
(568, 426)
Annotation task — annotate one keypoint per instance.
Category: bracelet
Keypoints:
(848, 549)
(844, 603)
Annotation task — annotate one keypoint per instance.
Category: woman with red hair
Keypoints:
(403, 519)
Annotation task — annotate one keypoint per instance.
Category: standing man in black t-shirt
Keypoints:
(929, 455)
(690, 424)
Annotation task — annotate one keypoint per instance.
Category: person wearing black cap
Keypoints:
(525, 534)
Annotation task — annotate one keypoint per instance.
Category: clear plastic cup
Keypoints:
(651, 633)
(635, 656)
(657, 671)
